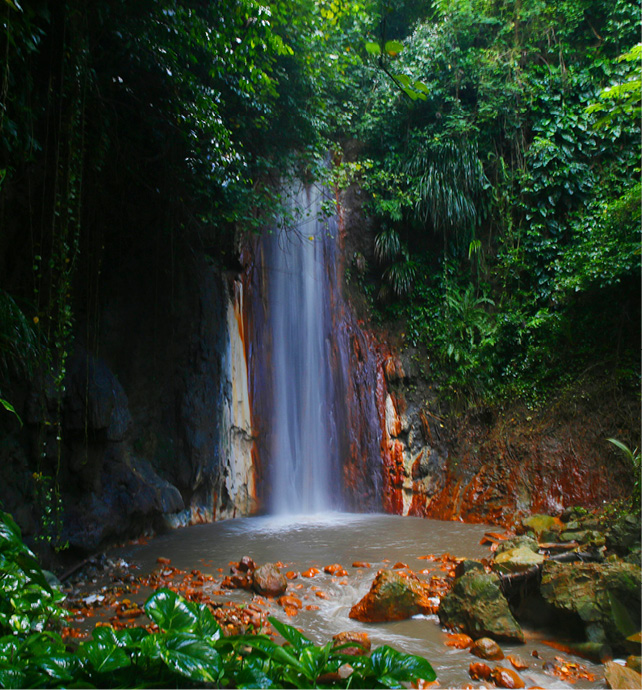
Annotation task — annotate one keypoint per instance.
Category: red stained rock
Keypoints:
(335, 569)
(291, 575)
(392, 597)
(268, 580)
(247, 565)
(310, 572)
(290, 601)
(361, 564)
(361, 639)
(237, 582)
(517, 662)
(479, 671)
(311, 607)
(399, 565)
(321, 595)
(163, 561)
(459, 641)
(506, 678)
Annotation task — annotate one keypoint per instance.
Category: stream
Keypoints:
(301, 542)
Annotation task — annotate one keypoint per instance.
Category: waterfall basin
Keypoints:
(314, 541)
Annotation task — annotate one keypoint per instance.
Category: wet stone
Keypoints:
(506, 678)
(479, 671)
(485, 648)
(268, 581)
(360, 640)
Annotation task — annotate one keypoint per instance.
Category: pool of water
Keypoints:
(301, 542)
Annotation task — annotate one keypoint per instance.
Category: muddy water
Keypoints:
(304, 541)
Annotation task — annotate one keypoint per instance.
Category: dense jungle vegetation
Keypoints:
(497, 148)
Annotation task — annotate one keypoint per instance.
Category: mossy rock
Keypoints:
(542, 523)
(523, 540)
(517, 560)
(477, 607)
(605, 596)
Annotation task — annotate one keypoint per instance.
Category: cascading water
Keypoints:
(295, 346)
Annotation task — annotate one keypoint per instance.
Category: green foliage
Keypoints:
(538, 208)
(188, 650)
(634, 461)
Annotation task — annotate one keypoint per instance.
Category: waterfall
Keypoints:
(295, 348)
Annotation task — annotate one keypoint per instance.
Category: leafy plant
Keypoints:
(634, 461)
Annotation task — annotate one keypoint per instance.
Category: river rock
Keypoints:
(542, 523)
(360, 640)
(467, 565)
(605, 596)
(488, 649)
(392, 597)
(634, 662)
(517, 560)
(479, 671)
(268, 581)
(477, 606)
(522, 541)
(617, 676)
(506, 678)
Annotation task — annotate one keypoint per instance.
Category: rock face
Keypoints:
(605, 596)
(477, 606)
(268, 581)
(392, 597)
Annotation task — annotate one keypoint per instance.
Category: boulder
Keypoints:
(477, 606)
(268, 581)
(392, 597)
(517, 560)
(605, 596)
(467, 565)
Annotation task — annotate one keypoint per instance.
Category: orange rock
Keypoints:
(392, 597)
(311, 607)
(291, 610)
(479, 671)
(399, 565)
(335, 569)
(321, 595)
(291, 575)
(506, 678)
(310, 572)
(459, 641)
(163, 561)
(360, 640)
(288, 600)
(485, 648)
(517, 662)
(361, 564)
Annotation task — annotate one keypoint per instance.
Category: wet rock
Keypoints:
(605, 596)
(268, 581)
(335, 569)
(517, 662)
(291, 601)
(624, 535)
(522, 541)
(459, 641)
(477, 607)
(617, 676)
(237, 582)
(392, 597)
(541, 523)
(488, 649)
(467, 565)
(310, 572)
(361, 564)
(517, 560)
(247, 565)
(506, 678)
(479, 671)
(360, 640)
(635, 663)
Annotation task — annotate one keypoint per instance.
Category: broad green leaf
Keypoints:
(399, 666)
(314, 659)
(393, 47)
(104, 658)
(272, 650)
(14, 4)
(32, 569)
(207, 625)
(191, 657)
(621, 616)
(253, 675)
(291, 635)
(170, 611)
(58, 667)
(373, 48)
